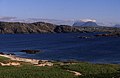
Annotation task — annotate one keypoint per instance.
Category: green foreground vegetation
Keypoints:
(87, 70)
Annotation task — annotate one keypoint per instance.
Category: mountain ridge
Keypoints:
(88, 23)
(43, 27)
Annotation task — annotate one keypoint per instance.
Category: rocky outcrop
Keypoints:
(16, 27)
(98, 29)
(42, 27)
(10, 64)
(30, 51)
(65, 29)
(2, 53)
(108, 35)
(37, 27)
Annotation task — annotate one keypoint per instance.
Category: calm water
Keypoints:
(63, 47)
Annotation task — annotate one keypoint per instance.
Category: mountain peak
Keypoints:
(88, 23)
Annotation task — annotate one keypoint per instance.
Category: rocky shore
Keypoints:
(31, 51)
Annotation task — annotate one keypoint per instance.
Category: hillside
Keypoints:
(37, 27)
(42, 27)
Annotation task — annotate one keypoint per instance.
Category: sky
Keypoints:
(100, 10)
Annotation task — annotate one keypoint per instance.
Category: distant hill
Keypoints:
(117, 25)
(79, 23)
(43, 27)
(32, 20)
(89, 23)
(70, 22)
(37, 27)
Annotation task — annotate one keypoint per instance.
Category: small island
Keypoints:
(31, 51)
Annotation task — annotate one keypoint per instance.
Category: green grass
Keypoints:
(34, 72)
(87, 70)
(4, 59)
(27, 70)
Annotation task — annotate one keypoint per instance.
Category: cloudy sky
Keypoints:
(100, 10)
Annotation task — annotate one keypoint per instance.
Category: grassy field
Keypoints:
(3, 59)
(87, 70)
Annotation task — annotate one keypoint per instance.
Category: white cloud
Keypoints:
(88, 20)
(7, 18)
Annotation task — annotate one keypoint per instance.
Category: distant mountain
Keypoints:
(78, 23)
(117, 25)
(57, 22)
(32, 20)
(89, 23)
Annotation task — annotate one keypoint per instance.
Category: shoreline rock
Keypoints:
(31, 51)
(108, 35)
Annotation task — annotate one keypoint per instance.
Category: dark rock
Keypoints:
(42, 62)
(65, 29)
(26, 28)
(108, 35)
(10, 54)
(31, 51)
(98, 29)
(1, 53)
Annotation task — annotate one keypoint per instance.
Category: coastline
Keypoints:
(83, 69)
(28, 60)
(35, 62)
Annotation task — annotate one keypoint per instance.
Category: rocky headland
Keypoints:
(42, 27)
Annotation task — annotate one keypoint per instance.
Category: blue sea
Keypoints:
(63, 46)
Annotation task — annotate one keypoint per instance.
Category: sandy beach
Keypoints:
(32, 61)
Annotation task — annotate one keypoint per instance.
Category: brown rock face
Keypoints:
(42, 27)
(16, 27)
(37, 27)
(65, 29)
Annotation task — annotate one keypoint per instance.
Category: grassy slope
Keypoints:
(88, 70)
(3, 59)
(33, 72)
(27, 70)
